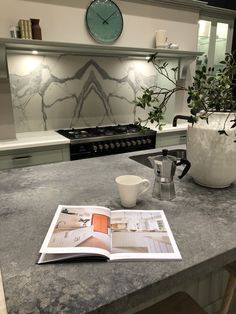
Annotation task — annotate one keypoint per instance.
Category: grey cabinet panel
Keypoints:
(33, 156)
(170, 139)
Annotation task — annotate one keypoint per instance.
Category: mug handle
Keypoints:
(146, 184)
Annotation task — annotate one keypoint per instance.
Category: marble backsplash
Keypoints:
(64, 91)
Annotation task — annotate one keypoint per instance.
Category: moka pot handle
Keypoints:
(186, 168)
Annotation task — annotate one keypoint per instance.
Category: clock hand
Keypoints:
(105, 21)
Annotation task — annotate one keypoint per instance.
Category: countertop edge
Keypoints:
(33, 139)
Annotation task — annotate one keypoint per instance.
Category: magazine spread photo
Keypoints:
(98, 232)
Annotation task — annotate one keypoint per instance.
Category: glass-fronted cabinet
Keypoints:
(214, 39)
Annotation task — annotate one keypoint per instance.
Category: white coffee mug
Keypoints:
(130, 187)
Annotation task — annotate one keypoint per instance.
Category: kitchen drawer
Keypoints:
(33, 156)
(170, 139)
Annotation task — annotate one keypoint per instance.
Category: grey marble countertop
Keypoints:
(202, 220)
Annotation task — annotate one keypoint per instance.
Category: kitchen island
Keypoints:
(203, 222)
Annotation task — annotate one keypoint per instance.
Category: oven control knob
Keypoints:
(128, 143)
(106, 146)
(112, 145)
(149, 141)
(123, 144)
(95, 148)
(133, 142)
(144, 141)
(100, 147)
(117, 144)
(139, 142)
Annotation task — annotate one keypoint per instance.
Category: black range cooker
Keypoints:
(107, 140)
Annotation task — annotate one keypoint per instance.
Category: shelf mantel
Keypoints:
(44, 47)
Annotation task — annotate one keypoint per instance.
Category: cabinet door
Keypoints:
(80, 235)
(33, 156)
(76, 237)
(100, 223)
(62, 238)
(170, 139)
(214, 39)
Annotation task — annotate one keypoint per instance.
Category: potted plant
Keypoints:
(211, 141)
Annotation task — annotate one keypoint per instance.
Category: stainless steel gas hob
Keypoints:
(107, 140)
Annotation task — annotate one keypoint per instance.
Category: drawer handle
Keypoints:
(21, 157)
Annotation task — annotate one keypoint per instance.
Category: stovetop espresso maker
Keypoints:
(164, 168)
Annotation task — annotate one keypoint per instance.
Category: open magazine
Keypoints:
(94, 231)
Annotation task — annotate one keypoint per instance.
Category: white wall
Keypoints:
(54, 92)
(64, 20)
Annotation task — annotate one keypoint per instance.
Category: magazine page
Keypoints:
(139, 234)
(81, 230)
(48, 258)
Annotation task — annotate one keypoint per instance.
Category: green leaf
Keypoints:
(234, 124)
(194, 111)
(198, 72)
(189, 99)
(210, 79)
(222, 132)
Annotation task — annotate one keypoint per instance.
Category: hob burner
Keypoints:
(75, 133)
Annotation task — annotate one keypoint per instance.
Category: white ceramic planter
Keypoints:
(212, 156)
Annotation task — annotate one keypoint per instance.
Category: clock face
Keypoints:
(104, 21)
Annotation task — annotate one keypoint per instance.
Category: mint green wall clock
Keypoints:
(104, 21)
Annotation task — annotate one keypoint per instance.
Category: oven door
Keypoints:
(80, 151)
(118, 146)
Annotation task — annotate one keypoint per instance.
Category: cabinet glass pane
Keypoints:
(204, 30)
(221, 41)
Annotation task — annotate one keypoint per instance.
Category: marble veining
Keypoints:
(51, 92)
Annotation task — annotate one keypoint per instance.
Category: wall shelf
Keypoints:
(48, 47)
